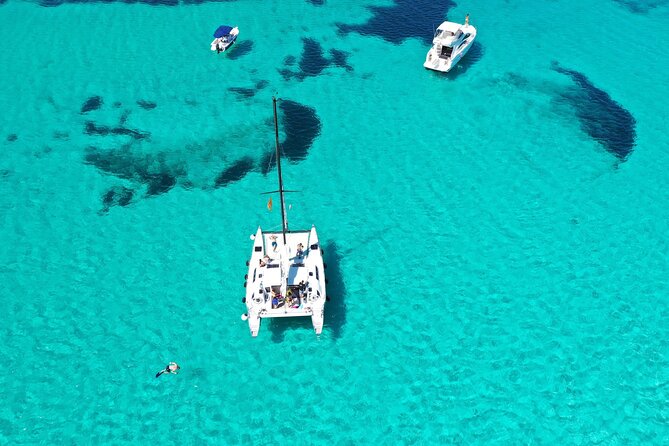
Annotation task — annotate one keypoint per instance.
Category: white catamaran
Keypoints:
(286, 275)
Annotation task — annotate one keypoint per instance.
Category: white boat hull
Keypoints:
(447, 52)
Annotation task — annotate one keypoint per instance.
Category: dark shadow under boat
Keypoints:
(473, 56)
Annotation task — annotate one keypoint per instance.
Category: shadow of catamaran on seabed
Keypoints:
(335, 309)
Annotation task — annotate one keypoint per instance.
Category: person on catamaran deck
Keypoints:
(172, 368)
(275, 245)
(277, 299)
(300, 250)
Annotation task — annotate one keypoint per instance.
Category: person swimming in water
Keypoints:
(172, 368)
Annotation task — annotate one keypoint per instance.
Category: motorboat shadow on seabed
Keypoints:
(451, 41)
(286, 276)
(224, 37)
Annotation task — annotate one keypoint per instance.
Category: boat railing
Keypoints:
(284, 262)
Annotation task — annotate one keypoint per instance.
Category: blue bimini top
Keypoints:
(222, 31)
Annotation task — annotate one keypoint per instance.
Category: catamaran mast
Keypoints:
(284, 218)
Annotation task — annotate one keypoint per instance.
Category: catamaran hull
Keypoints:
(254, 324)
(317, 320)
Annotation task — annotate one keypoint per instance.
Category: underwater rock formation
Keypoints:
(601, 117)
(92, 103)
(403, 20)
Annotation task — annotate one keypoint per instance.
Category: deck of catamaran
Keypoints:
(285, 279)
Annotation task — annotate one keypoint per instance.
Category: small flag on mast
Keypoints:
(269, 204)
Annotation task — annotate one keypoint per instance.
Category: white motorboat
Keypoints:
(224, 37)
(451, 42)
(286, 276)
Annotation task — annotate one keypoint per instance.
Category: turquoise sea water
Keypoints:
(498, 272)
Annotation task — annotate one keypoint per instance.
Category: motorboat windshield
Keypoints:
(441, 33)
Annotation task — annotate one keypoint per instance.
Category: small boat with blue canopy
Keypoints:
(224, 37)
